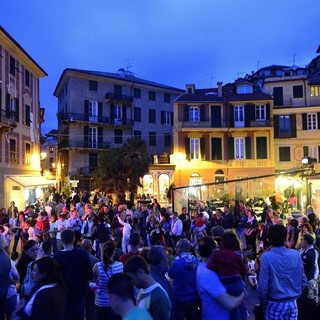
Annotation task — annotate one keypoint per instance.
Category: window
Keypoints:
(152, 139)
(216, 149)
(137, 93)
(312, 123)
(278, 96)
(117, 111)
(137, 114)
(12, 66)
(195, 179)
(260, 112)
(284, 127)
(313, 152)
(152, 96)
(168, 140)
(297, 91)
(194, 114)
(93, 85)
(244, 89)
(239, 148)
(137, 134)
(13, 151)
(118, 136)
(315, 91)
(239, 116)
(27, 116)
(13, 108)
(284, 154)
(93, 137)
(51, 149)
(93, 111)
(27, 78)
(261, 148)
(166, 98)
(28, 154)
(152, 116)
(166, 117)
(195, 149)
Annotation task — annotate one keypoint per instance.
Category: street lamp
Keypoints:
(307, 163)
(43, 155)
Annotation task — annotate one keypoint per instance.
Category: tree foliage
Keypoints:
(121, 169)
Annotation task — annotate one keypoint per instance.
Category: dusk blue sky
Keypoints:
(171, 42)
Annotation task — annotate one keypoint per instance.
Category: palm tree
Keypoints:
(121, 169)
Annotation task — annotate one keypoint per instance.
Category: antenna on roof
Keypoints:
(211, 77)
(128, 64)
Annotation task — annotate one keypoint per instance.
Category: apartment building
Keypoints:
(20, 120)
(224, 134)
(296, 113)
(100, 110)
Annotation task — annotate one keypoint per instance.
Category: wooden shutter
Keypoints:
(305, 151)
(216, 149)
(172, 118)
(318, 118)
(124, 115)
(111, 113)
(268, 111)
(162, 117)
(17, 110)
(231, 116)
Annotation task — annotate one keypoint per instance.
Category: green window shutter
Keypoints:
(86, 135)
(202, 148)
(231, 116)
(261, 148)
(268, 111)
(248, 148)
(276, 126)
(187, 148)
(216, 149)
(100, 111)
(305, 151)
(17, 110)
(293, 126)
(100, 137)
(202, 113)
(304, 122)
(86, 110)
(186, 113)
(231, 148)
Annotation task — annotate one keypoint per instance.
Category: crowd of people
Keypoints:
(75, 259)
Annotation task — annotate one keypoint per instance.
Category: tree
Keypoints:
(121, 169)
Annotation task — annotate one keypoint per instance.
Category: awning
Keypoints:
(32, 181)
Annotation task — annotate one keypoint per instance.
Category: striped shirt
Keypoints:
(103, 276)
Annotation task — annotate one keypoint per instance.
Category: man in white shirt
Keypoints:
(176, 229)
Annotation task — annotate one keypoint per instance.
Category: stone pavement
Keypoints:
(251, 300)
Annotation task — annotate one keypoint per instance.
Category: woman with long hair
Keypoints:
(102, 272)
(29, 254)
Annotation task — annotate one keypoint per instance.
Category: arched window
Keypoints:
(164, 182)
(148, 184)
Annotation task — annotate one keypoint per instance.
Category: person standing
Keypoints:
(151, 297)
(176, 229)
(76, 270)
(5, 268)
(13, 211)
(281, 278)
(183, 273)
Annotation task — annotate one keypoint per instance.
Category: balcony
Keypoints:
(82, 145)
(265, 123)
(121, 122)
(71, 117)
(113, 97)
(7, 123)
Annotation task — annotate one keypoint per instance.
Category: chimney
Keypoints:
(219, 84)
(190, 88)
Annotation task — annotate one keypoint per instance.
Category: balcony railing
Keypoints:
(72, 117)
(111, 96)
(7, 123)
(80, 117)
(66, 144)
(224, 124)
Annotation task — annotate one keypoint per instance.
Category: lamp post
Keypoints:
(43, 156)
(307, 163)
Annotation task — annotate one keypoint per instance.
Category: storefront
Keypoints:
(25, 190)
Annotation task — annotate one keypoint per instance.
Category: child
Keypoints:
(230, 267)
(199, 225)
(252, 275)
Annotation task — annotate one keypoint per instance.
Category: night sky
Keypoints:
(172, 42)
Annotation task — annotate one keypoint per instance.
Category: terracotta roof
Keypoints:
(201, 95)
